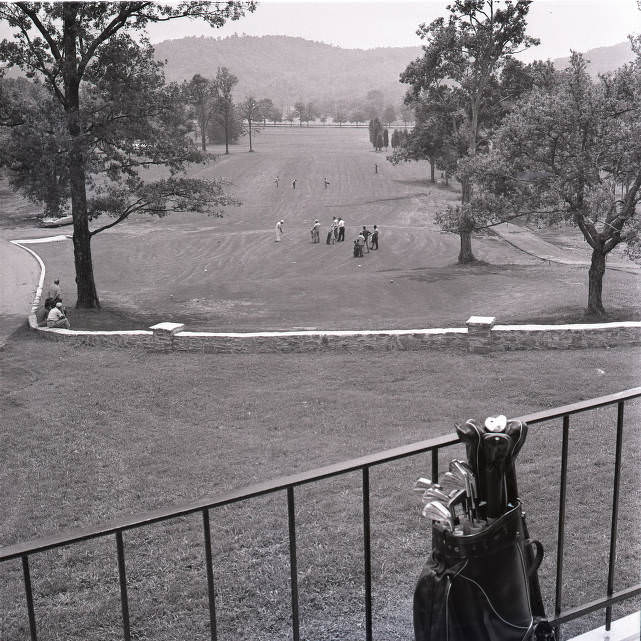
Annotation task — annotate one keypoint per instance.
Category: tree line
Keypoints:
(526, 141)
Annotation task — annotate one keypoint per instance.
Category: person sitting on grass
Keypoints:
(57, 318)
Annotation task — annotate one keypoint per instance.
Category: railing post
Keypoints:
(615, 512)
(293, 563)
(561, 532)
(210, 576)
(367, 553)
(29, 594)
(124, 601)
(435, 465)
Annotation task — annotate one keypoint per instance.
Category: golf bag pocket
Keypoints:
(485, 592)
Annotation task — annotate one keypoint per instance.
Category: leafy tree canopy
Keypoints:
(112, 116)
(571, 153)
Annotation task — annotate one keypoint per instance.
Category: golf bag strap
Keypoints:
(537, 558)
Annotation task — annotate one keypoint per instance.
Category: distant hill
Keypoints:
(602, 59)
(288, 69)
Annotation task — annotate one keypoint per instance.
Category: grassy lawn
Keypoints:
(91, 434)
(229, 274)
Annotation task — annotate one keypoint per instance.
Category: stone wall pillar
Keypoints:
(164, 335)
(479, 333)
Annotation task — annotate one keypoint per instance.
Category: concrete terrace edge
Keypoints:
(480, 335)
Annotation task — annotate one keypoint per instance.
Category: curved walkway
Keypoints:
(527, 241)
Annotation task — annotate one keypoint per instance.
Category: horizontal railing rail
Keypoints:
(363, 464)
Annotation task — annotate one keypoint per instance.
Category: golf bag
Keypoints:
(481, 583)
(476, 587)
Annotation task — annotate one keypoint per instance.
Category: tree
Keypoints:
(266, 109)
(225, 82)
(373, 104)
(385, 138)
(201, 94)
(389, 115)
(573, 154)
(340, 115)
(69, 45)
(311, 112)
(469, 49)
(376, 134)
(358, 116)
(250, 110)
(300, 112)
(217, 133)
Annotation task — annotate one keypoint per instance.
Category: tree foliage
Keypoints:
(468, 51)
(116, 114)
(572, 153)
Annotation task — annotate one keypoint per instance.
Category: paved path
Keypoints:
(19, 275)
(528, 242)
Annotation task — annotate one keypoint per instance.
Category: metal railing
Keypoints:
(116, 528)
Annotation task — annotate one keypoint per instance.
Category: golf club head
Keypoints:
(436, 511)
(449, 481)
(433, 494)
(495, 423)
(459, 498)
(471, 435)
(423, 484)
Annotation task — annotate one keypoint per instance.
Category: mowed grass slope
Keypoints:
(92, 434)
(230, 274)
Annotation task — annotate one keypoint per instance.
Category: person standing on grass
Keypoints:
(276, 181)
(56, 318)
(294, 183)
(55, 291)
(374, 238)
(375, 168)
(341, 230)
(366, 234)
(279, 230)
(316, 232)
(326, 182)
(330, 233)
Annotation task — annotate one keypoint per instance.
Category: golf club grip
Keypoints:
(511, 486)
(495, 486)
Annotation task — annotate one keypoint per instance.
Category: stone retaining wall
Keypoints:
(171, 337)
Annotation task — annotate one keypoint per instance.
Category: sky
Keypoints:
(561, 25)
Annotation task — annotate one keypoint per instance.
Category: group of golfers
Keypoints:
(366, 239)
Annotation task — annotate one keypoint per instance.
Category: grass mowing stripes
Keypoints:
(89, 434)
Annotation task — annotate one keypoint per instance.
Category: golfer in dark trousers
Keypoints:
(374, 238)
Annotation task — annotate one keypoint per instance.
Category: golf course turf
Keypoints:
(93, 434)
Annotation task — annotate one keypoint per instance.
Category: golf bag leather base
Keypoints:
(476, 587)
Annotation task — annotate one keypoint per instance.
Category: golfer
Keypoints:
(279, 230)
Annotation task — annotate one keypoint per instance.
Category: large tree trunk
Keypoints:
(87, 296)
(466, 226)
(226, 130)
(432, 168)
(203, 138)
(465, 254)
(595, 282)
(250, 135)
